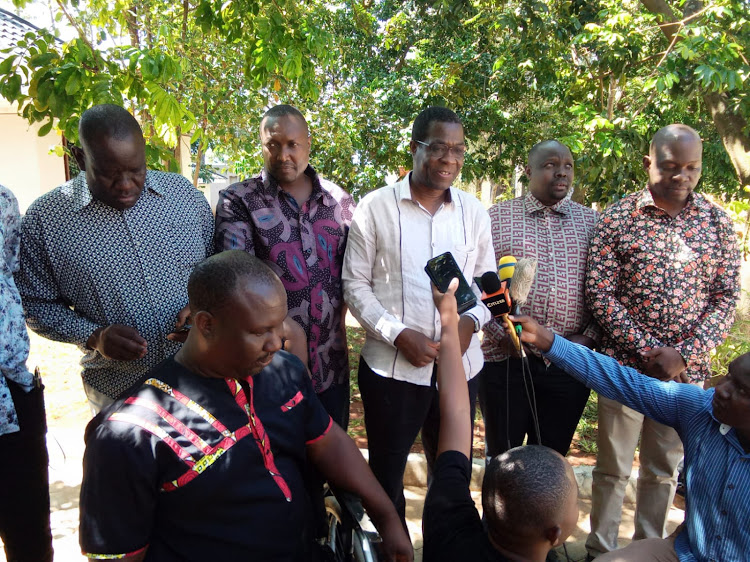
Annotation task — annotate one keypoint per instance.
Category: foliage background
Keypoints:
(602, 76)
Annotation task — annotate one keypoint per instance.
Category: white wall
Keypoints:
(26, 165)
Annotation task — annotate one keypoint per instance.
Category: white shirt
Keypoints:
(390, 241)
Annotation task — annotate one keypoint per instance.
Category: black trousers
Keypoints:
(335, 400)
(24, 482)
(560, 400)
(395, 412)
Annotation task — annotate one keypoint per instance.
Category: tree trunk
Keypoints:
(730, 125)
(198, 161)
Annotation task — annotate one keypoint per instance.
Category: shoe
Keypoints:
(589, 557)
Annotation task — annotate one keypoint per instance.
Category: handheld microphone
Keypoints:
(523, 277)
(506, 266)
(495, 294)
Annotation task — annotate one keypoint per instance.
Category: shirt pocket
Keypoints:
(466, 258)
(293, 401)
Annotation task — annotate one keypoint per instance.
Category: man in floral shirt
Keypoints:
(662, 281)
(24, 483)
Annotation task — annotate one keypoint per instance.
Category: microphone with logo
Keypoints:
(497, 298)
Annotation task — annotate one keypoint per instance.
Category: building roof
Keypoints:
(13, 29)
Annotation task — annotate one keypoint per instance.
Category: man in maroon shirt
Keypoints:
(547, 226)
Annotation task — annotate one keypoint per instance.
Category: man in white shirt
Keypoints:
(394, 232)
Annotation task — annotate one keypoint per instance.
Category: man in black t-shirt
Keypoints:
(529, 494)
(204, 460)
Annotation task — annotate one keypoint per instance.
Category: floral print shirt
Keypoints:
(305, 247)
(14, 341)
(657, 281)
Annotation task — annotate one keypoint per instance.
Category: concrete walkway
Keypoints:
(66, 448)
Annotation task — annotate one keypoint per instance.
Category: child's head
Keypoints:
(530, 497)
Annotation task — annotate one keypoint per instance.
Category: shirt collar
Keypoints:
(533, 205)
(645, 199)
(78, 189)
(272, 190)
(403, 190)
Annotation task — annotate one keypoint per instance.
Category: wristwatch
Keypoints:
(477, 325)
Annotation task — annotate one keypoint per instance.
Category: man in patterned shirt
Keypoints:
(105, 257)
(297, 222)
(24, 481)
(662, 282)
(547, 226)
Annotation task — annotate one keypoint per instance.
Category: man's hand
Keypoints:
(533, 333)
(396, 545)
(582, 340)
(446, 302)
(418, 349)
(181, 327)
(118, 342)
(664, 363)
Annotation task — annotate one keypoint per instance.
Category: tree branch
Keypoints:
(80, 31)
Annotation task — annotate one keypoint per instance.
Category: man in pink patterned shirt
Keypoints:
(297, 222)
(545, 225)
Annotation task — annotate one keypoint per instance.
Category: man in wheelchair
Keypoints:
(204, 460)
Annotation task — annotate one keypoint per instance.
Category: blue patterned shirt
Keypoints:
(14, 341)
(717, 468)
(86, 265)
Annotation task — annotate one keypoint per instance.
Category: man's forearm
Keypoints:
(455, 417)
(658, 400)
(58, 322)
(339, 460)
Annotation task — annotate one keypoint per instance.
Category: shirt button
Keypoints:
(730, 486)
(723, 511)
(718, 537)
(148, 278)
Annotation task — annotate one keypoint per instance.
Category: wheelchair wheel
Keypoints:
(346, 539)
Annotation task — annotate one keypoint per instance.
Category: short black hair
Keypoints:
(542, 144)
(523, 493)
(671, 133)
(438, 114)
(281, 110)
(214, 280)
(107, 120)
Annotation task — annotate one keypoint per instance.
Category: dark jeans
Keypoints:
(395, 412)
(24, 482)
(560, 400)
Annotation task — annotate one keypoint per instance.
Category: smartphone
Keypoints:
(441, 269)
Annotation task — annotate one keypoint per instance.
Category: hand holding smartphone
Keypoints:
(441, 269)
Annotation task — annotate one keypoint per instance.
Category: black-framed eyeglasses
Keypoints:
(439, 150)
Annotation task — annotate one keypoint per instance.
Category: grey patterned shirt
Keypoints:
(86, 265)
(14, 341)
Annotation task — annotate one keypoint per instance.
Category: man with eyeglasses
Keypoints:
(297, 222)
(395, 231)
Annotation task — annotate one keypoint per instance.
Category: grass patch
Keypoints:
(585, 437)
